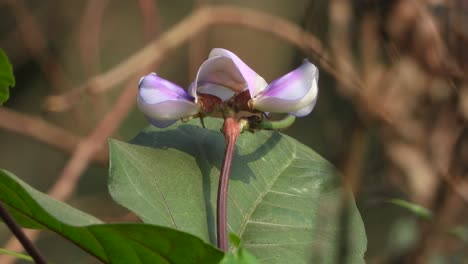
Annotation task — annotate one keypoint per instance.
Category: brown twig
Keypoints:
(89, 34)
(193, 25)
(179, 34)
(149, 12)
(197, 49)
(340, 14)
(44, 131)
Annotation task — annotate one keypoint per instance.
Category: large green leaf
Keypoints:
(111, 243)
(7, 79)
(284, 199)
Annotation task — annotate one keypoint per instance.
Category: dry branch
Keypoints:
(44, 131)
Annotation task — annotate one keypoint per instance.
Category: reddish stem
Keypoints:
(231, 130)
(23, 239)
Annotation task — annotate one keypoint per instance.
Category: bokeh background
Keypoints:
(391, 115)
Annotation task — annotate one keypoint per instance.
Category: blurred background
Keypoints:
(391, 115)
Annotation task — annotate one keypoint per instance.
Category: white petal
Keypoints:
(220, 71)
(306, 110)
(217, 90)
(255, 83)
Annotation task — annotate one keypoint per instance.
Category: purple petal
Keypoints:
(154, 89)
(162, 100)
(290, 93)
(254, 82)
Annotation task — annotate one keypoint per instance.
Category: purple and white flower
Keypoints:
(224, 74)
(164, 102)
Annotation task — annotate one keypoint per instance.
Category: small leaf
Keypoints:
(238, 255)
(284, 199)
(461, 232)
(7, 79)
(15, 254)
(412, 207)
(235, 240)
(111, 243)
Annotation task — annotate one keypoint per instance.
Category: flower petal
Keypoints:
(162, 100)
(168, 110)
(290, 93)
(306, 110)
(217, 90)
(154, 89)
(160, 123)
(222, 71)
(254, 82)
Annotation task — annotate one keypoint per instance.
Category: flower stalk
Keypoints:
(231, 130)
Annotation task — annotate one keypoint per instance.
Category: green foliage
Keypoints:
(16, 254)
(111, 243)
(238, 255)
(284, 202)
(461, 232)
(7, 79)
(414, 208)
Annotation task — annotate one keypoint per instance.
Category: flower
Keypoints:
(224, 74)
(225, 83)
(164, 102)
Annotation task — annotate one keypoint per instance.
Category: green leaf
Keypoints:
(412, 207)
(238, 255)
(7, 79)
(111, 243)
(284, 199)
(461, 232)
(15, 254)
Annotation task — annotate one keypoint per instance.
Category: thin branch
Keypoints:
(198, 47)
(16, 230)
(89, 30)
(44, 131)
(89, 35)
(200, 20)
(149, 12)
(179, 34)
(340, 38)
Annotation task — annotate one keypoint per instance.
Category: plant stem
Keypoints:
(231, 130)
(23, 239)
